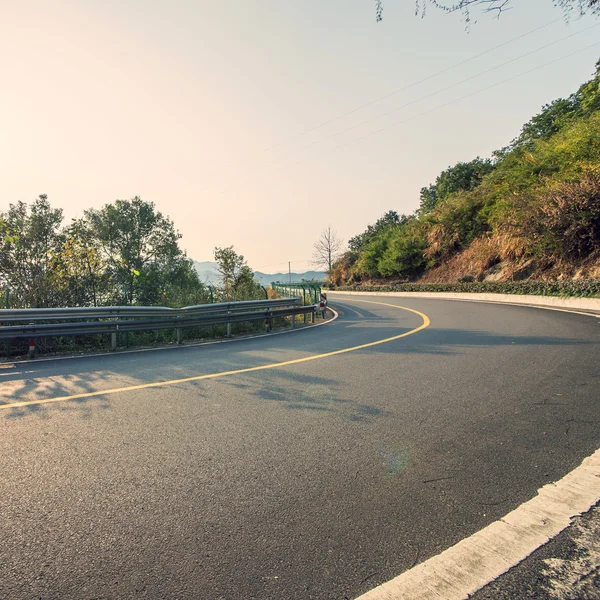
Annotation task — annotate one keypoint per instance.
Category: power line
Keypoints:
(342, 145)
(451, 102)
(407, 104)
(395, 92)
(411, 85)
(307, 262)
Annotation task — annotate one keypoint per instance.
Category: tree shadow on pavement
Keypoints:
(451, 341)
(32, 381)
(296, 391)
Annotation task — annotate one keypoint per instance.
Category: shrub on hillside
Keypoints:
(582, 288)
(570, 212)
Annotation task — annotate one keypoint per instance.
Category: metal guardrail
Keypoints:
(111, 312)
(43, 322)
(309, 290)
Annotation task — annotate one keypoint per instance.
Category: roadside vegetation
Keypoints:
(125, 253)
(531, 212)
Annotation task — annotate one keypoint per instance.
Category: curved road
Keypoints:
(316, 479)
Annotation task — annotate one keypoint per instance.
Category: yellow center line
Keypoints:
(144, 386)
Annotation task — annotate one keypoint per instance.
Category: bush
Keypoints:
(581, 288)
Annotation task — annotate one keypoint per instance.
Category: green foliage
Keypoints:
(140, 247)
(79, 270)
(559, 114)
(428, 198)
(580, 288)
(389, 219)
(405, 253)
(237, 278)
(28, 238)
(455, 224)
(126, 252)
(461, 177)
(537, 200)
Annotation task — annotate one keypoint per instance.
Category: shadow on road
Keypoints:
(52, 379)
(296, 391)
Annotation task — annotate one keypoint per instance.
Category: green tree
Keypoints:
(28, 241)
(428, 199)
(559, 114)
(80, 271)
(183, 286)
(463, 176)
(404, 256)
(140, 246)
(389, 219)
(237, 278)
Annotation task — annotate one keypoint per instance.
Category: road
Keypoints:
(317, 479)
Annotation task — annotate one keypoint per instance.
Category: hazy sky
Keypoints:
(205, 107)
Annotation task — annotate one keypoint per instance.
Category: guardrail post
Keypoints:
(312, 316)
(293, 321)
(304, 301)
(113, 340)
(229, 326)
(179, 336)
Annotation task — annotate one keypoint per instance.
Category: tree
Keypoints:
(80, 272)
(237, 278)
(389, 219)
(327, 249)
(462, 177)
(559, 114)
(29, 238)
(491, 6)
(140, 246)
(182, 285)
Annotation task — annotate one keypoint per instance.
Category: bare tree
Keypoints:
(327, 249)
(492, 6)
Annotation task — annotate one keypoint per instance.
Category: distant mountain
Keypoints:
(266, 278)
(208, 273)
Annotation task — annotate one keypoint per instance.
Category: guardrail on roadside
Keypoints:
(310, 291)
(44, 322)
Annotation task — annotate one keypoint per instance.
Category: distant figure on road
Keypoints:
(323, 304)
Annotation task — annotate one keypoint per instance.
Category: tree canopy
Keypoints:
(463, 176)
(237, 278)
(126, 252)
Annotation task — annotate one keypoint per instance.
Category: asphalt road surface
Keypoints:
(318, 479)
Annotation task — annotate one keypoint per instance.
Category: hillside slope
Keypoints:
(530, 212)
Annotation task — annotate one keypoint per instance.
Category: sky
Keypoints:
(258, 123)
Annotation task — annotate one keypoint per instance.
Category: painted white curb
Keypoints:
(557, 302)
(475, 561)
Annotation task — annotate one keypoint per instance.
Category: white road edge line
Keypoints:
(565, 310)
(501, 302)
(175, 347)
(474, 562)
(479, 559)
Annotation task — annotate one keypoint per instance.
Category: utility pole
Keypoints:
(290, 271)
